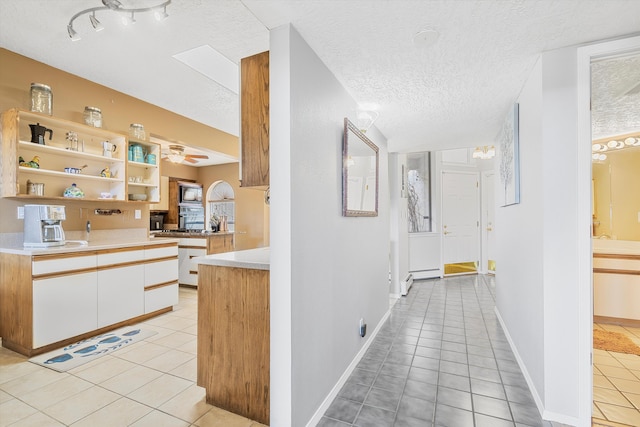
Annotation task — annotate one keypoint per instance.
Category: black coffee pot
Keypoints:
(38, 132)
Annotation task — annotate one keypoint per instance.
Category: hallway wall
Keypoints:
(519, 243)
(327, 271)
(537, 281)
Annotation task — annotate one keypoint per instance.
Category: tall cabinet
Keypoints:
(254, 121)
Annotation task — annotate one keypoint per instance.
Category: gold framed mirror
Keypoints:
(360, 159)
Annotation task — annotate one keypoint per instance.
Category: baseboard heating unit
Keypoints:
(406, 284)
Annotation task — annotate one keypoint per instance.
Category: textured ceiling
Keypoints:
(453, 94)
(615, 99)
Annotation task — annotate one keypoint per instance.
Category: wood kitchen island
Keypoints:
(234, 332)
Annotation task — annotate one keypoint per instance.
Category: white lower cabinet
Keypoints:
(63, 307)
(158, 298)
(120, 294)
(189, 248)
(188, 269)
(161, 279)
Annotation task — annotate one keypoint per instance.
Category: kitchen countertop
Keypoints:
(77, 246)
(182, 234)
(256, 259)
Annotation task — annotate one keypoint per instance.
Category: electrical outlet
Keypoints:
(138, 214)
(21, 212)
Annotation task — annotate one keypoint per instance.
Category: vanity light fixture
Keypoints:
(484, 153)
(128, 14)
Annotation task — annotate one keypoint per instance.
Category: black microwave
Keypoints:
(189, 194)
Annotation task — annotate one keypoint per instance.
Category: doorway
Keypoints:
(585, 56)
(460, 222)
(615, 123)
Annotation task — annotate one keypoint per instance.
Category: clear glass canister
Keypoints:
(93, 117)
(136, 130)
(41, 98)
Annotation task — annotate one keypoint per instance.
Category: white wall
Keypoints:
(537, 282)
(327, 271)
(519, 229)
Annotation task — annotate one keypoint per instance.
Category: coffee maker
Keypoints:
(43, 226)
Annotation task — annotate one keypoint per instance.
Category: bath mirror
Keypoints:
(359, 173)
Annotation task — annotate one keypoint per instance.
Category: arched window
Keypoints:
(220, 201)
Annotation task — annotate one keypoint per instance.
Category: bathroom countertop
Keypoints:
(620, 247)
(256, 259)
(81, 246)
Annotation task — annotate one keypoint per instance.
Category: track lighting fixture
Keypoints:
(128, 14)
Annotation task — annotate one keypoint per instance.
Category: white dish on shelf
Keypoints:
(138, 197)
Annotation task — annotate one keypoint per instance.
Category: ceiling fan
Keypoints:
(176, 155)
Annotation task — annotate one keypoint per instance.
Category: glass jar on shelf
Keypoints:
(93, 117)
(136, 131)
(41, 98)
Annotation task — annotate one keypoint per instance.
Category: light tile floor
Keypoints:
(616, 382)
(149, 383)
(441, 359)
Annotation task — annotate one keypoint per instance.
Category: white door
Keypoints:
(488, 212)
(460, 222)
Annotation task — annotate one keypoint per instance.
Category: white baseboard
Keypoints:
(317, 416)
(523, 368)
(545, 414)
(426, 274)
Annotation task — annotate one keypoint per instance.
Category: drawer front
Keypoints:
(162, 252)
(54, 264)
(193, 242)
(160, 272)
(158, 298)
(120, 257)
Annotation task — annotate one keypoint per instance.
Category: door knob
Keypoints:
(489, 229)
(446, 232)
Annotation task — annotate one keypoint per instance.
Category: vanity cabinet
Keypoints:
(98, 174)
(143, 171)
(51, 300)
(254, 121)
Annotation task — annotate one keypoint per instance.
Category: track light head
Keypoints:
(97, 25)
(72, 33)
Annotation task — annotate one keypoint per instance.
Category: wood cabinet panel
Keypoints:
(254, 120)
(220, 243)
(233, 339)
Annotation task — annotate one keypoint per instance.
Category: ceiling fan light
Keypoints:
(175, 158)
